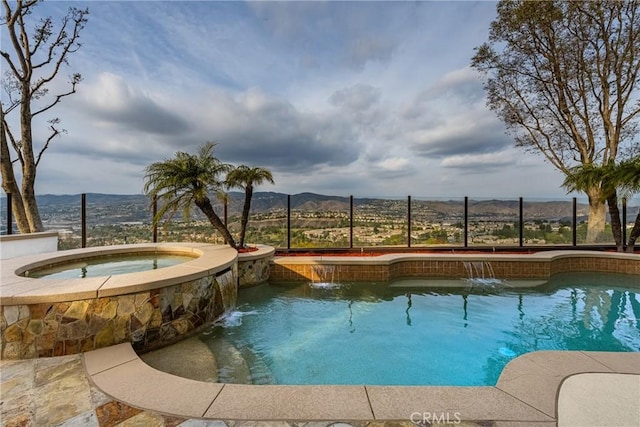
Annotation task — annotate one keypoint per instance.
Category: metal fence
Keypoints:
(346, 223)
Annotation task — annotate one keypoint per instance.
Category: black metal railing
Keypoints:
(468, 224)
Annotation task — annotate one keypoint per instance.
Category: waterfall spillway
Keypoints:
(481, 274)
(228, 290)
(325, 276)
(479, 270)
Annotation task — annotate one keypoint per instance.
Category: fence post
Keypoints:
(351, 222)
(408, 221)
(226, 211)
(288, 221)
(83, 219)
(9, 213)
(521, 223)
(466, 221)
(624, 223)
(575, 222)
(155, 223)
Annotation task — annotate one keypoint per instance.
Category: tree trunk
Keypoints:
(248, 194)
(31, 208)
(9, 183)
(597, 215)
(206, 208)
(616, 222)
(29, 163)
(633, 236)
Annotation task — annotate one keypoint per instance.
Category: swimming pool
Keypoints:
(405, 334)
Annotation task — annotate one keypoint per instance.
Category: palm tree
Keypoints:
(623, 177)
(628, 175)
(185, 180)
(246, 177)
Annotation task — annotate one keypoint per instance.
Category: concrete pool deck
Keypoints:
(112, 386)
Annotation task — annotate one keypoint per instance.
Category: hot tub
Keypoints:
(49, 317)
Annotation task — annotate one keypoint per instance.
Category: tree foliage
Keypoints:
(564, 78)
(186, 180)
(246, 178)
(34, 56)
(615, 180)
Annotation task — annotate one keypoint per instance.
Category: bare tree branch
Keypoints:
(26, 81)
(54, 132)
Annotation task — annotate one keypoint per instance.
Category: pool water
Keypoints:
(385, 335)
(107, 266)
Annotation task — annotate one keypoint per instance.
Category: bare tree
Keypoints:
(35, 56)
(564, 78)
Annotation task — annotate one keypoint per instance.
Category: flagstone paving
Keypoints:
(56, 392)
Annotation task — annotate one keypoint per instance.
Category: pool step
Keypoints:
(232, 366)
(190, 358)
(222, 362)
(260, 371)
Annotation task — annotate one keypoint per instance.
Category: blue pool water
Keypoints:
(411, 335)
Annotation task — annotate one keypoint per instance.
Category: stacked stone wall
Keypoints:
(147, 319)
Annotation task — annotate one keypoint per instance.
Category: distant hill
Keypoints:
(62, 210)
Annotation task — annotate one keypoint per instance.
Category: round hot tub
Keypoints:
(52, 315)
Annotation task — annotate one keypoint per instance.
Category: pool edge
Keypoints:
(528, 392)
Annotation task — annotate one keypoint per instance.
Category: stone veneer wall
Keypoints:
(507, 269)
(254, 268)
(146, 319)
(253, 272)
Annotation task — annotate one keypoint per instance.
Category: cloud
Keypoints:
(87, 174)
(360, 106)
(461, 83)
(450, 118)
(459, 134)
(359, 97)
(480, 162)
(337, 33)
(113, 102)
(393, 167)
(293, 21)
(255, 128)
(369, 49)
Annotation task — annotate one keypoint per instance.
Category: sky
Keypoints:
(342, 98)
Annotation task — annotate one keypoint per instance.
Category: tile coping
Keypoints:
(527, 391)
(388, 259)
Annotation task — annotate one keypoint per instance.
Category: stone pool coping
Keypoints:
(16, 289)
(529, 390)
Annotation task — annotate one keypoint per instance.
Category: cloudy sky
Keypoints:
(362, 98)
